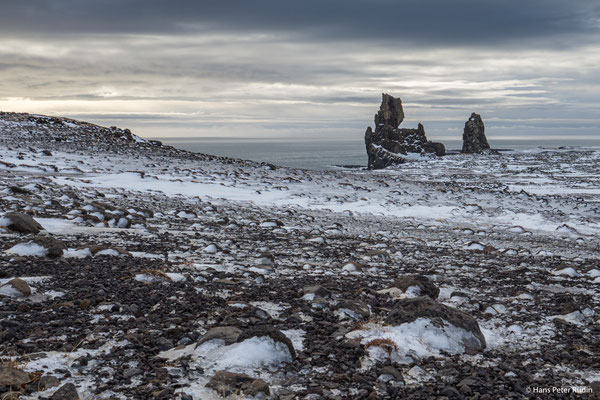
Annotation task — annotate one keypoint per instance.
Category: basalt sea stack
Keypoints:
(474, 140)
(388, 144)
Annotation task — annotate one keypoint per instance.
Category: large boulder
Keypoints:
(20, 285)
(229, 334)
(227, 383)
(268, 331)
(13, 377)
(409, 310)
(20, 222)
(426, 287)
(54, 246)
(474, 140)
(388, 144)
(68, 391)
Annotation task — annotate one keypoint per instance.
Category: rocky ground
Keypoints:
(133, 270)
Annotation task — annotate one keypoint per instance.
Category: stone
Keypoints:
(389, 370)
(227, 383)
(358, 310)
(450, 392)
(48, 381)
(54, 246)
(23, 223)
(85, 304)
(20, 285)
(229, 334)
(23, 308)
(426, 287)
(67, 391)
(388, 144)
(474, 140)
(390, 112)
(14, 377)
(269, 331)
(317, 290)
(408, 310)
(19, 190)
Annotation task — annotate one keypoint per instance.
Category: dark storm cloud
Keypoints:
(436, 22)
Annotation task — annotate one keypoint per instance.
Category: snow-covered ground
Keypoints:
(164, 245)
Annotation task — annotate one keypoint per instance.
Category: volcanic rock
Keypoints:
(48, 381)
(67, 391)
(229, 334)
(386, 145)
(269, 331)
(227, 383)
(20, 285)
(54, 246)
(426, 287)
(474, 140)
(23, 223)
(357, 309)
(408, 310)
(10, 376)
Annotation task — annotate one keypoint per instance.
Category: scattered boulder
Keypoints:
(20, 285)
(474, 140)
(23, 223)
(227, 383)
(386, 145)
(356, 309)
(229, 334)
(67, 391)
(48, 381)
(13, 377)
(19, 190)
(408, 310)
(266, 330)
(54, 246)
(391, 371)
(426, 287)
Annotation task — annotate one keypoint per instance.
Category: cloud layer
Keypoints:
(308, 69)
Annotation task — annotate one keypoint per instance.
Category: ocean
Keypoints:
(329, 154)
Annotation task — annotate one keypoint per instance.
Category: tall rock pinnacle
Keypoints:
(474, 140)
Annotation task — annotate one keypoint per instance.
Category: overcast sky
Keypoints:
(311, 68)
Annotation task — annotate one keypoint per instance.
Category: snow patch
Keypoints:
(28, 249)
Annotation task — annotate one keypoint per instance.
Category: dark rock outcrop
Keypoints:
(386, 145)
(229, 334)
(474, 140)
(408, 310)
(54, 246)
(23, 223)
(20, 285)
(67, 391)
(13, 377)
(426, 287)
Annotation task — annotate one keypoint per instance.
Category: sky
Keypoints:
(311, 69)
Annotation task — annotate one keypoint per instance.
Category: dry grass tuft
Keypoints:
(156, 272)
(386, 344)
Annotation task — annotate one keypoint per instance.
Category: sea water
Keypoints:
(331, 154)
